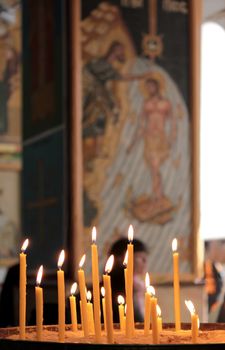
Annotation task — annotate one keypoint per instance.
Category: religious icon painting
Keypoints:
(137, 126)
(10, 71)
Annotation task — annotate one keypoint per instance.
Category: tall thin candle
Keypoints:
(103, 307)
(155, 331)
(147, 305)
(129, 291)
(61, 297)
(121, 302)
(125, 270)
(22, 289)
(82, 286)
(108, 299)
(159, 318)
(95, 283)
(73, 307)
(176, 285)
(194, 321)
(91, 326)
(39, 303)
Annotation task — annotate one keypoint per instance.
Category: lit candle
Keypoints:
(147, 305)
(22, 289)
(129, 291)
(103, 307)
(61, 297)
(159, 318)
(82, 287)
(108, 299)
(73, 307)
(91, 326)
(194, 320)
(95, 282)
(39, 304)
(125, 270)
(176, 284)
(121, 302)
(155, 331)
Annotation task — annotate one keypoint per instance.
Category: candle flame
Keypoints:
(89, 295)
(39, 275)
(121, 300)
(174, 245)
(130, 233)
(109, 264)
(147, 280)
(190, 306)
(158, 310)
(103, 292)
(73, 288)
(61, 259)
(25, 245)
(151, 290)
(82, 260)
(94, 234)
(125, 259)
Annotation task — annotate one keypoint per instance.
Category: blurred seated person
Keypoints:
(119, 249)
(215, 278)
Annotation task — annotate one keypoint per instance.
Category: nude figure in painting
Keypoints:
(156, 112)
(158, 129)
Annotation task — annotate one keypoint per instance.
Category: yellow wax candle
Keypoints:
(82, 287)
(81, 316)
(95, 282)
(147, 305)
(22, 289)
(103, 307)
(39, 304)
(61, 297)
(108, 300)
(155, 332)
(194, 321)
(194, 327)
(90, 314)
(159, 318)
(121, 302)
(129, 294)
(176, 285)
(73, 307)
(125, 312)
(125, 270)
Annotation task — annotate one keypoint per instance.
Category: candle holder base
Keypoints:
(211, 336)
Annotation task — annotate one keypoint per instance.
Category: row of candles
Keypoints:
(90, 317)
